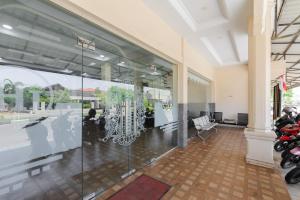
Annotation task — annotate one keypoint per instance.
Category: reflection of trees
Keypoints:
(117, 95)
(59, 96)
(9, 87)
(100, 95)
(148, 105)
(10, 101)
(28, 101)
(288, 97)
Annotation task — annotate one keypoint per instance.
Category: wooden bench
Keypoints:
(203, 124)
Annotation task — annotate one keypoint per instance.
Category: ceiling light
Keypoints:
(143, 76)
(67, 71)
(155, 73)
(154, 70)
(117, 80)
(0, 58)
(121, 64)
(85, 74)
(184, 13)
(102, 58)
(92, 64)
(7, 26)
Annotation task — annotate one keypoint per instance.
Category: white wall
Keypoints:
(198, 97)
(231, 90)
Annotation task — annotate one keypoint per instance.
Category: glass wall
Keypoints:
(80, 108)
(199, 99)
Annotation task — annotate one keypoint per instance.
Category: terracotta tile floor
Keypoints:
(215, 170)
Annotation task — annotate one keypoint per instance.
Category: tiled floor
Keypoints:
(216, 171)
(103, 165)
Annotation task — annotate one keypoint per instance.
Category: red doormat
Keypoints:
(142, 188)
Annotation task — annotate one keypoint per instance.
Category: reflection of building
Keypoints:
(54, 87)
(87, 94)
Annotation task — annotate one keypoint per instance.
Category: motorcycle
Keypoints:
(289, 139)
(291, 158)
(290, 117)
(293, 176)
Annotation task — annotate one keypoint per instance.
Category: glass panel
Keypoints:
(160, 134)
(80, 107)
(107, 110)
(40, 120)
(122, 85)
(198, 100)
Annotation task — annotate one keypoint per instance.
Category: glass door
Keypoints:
(80, 108)
(108, 113)
(40, 115)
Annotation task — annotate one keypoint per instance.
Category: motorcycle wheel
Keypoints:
(287, 162)
(293, 176)
(278, 146)
(285, 153)
(278, 134)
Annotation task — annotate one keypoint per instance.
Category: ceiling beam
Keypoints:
(277, 18)
(284, 43)
(294, 79)
(296, 63)
(293, 70)
(276, 56)
(291, 62)
(234, 46)
(286, 24)
(285, 28)
(287, 54)
(285, 36)
(290, 44)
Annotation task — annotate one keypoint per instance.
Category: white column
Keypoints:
(106, 72)
(258, 134)
(182, 86)
(19, 107)
(2, 103)
(35, 101)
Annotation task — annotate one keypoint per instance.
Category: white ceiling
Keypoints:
(217, 28)
(44, 37)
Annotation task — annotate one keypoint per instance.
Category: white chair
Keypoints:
(203, 124)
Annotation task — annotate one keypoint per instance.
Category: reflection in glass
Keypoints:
(198, 100)
(80, 108)
(40, 122)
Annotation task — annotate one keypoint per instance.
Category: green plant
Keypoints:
(9, 87)
(100, 94)
(148, 105)
(10, 101)
(117, 95)
(288, 97)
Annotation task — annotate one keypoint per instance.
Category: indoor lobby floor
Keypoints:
(213, 171)
(104, 163)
